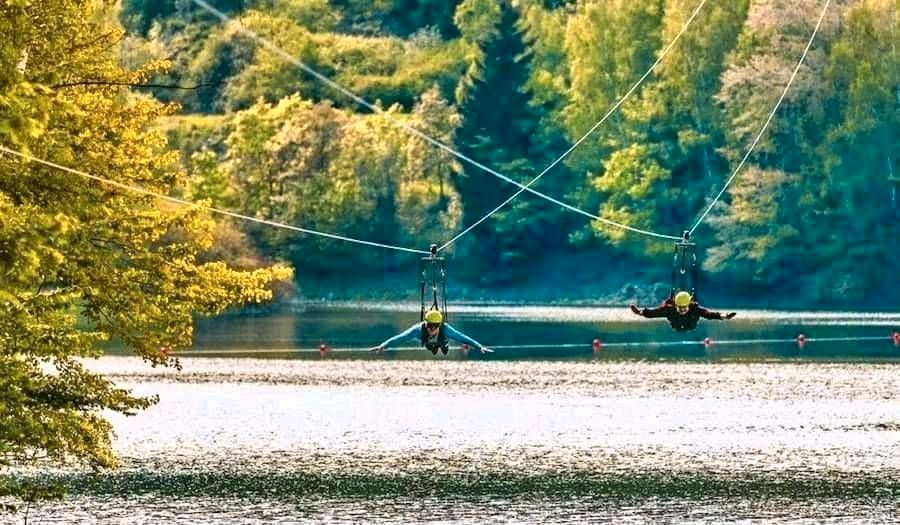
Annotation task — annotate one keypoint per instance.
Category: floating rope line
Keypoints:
(142, 191)
(596, 345)
(767, 122)
(578, 142)
(712, 342)
(411, 130)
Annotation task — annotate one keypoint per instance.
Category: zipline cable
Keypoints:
(411, 130)
(768, 120)
(593, 128)
(138, 189)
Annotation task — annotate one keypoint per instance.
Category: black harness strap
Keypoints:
(684, 260)
(437, 280)
(422, 289)
(444, 290)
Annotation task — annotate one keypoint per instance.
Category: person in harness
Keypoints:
(682, 311)
(434, 334)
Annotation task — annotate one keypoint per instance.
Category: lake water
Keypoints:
(648, 433)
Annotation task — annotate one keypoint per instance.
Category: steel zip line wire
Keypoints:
(138, 189)
(766, 124)
(411, 130)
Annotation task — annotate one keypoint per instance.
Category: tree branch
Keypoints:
(132, 84)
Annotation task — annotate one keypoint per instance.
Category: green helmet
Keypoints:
(433, 317)
(682, 299)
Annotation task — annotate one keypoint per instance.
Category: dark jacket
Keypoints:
(439, 342)
(681, 323)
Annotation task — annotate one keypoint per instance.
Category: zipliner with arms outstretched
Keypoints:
(434, 334)
(681, 308)
(682, 312)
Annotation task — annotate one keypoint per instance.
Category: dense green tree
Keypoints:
(609, 45)
(819, 225)
(208, 182)
(314, 15)
(399, 17)
(139, 15)
(760, 229)
(313, 165)
(502, 130)
(675, 122)
(544, 32)
(860, 152)
(85, 262)
(383, 69)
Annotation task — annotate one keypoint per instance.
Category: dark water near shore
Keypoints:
(648, 434)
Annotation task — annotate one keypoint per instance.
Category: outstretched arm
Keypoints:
(456, 335)
(717, 316)
(414, 331)
(652, 313)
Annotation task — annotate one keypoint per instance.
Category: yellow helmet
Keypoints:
(433, 317)
(682, 298)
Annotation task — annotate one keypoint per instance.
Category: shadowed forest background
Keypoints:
(811, 221)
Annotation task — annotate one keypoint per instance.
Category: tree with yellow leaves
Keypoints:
(81, 261)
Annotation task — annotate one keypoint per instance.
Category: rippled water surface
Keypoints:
(247, 440)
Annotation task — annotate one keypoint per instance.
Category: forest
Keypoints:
(809, 221)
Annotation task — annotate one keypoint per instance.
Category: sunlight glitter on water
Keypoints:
(393, 441)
